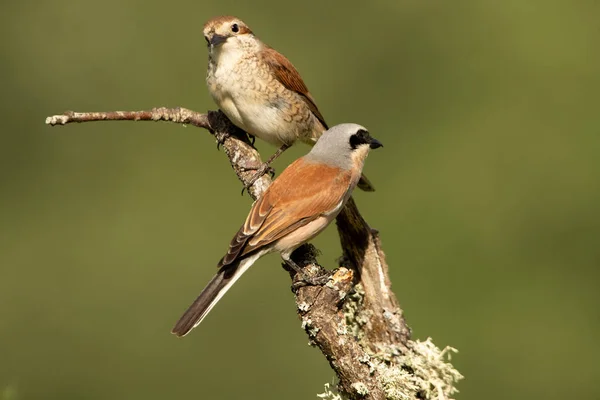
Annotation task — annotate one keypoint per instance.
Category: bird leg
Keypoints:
(304, 278)
(266, 167)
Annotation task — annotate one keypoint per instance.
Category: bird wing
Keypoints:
(301, 194)
(286, 73)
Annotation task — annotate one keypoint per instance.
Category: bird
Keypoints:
(299, 204)
(260, 90)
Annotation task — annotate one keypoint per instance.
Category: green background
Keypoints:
(488, 196)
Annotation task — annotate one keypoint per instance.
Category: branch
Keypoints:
(242, 156)
(355, 318)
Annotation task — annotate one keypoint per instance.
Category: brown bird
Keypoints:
(300, 203)
(259, 89)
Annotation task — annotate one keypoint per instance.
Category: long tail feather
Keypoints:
(211, 294)
(365, 184)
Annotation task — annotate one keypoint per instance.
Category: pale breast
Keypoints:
(287, 244)
(257, 103)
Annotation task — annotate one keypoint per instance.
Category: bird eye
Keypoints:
(360, 137)
(235, 28)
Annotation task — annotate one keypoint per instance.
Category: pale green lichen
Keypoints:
(420, 369)
(360, 388)
(331, 393)
(366, 359)
(308, 326)
(306, 323)
(424, 369)
(342, 329)
(353, 313)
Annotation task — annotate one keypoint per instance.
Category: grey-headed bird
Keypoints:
(259, 89)
(298, 205)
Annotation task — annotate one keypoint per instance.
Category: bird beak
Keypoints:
(375, 143)
(216, 39)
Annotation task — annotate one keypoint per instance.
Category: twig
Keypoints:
(241, 154)
(179, 115)
(354, 319)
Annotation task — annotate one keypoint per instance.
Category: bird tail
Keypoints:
(211, 294)
(365, 184)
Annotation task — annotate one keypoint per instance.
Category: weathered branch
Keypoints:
(234, 141)
(354, 319)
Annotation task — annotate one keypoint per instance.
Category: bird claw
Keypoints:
(309, 275)
(221, 140)
(302, 280)
(260, 171)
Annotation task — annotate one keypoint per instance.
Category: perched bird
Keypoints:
(259, 89)
(297, 206)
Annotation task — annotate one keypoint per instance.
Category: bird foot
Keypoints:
(260, 171)
(221, 137)
(303, 279)
(310, 275)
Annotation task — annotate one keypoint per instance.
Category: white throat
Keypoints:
(359, 155)
(232, 50)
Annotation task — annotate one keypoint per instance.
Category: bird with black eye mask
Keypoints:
(298, 205)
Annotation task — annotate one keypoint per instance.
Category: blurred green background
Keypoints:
(488, 196)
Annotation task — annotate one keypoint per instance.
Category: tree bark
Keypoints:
(354, 318)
